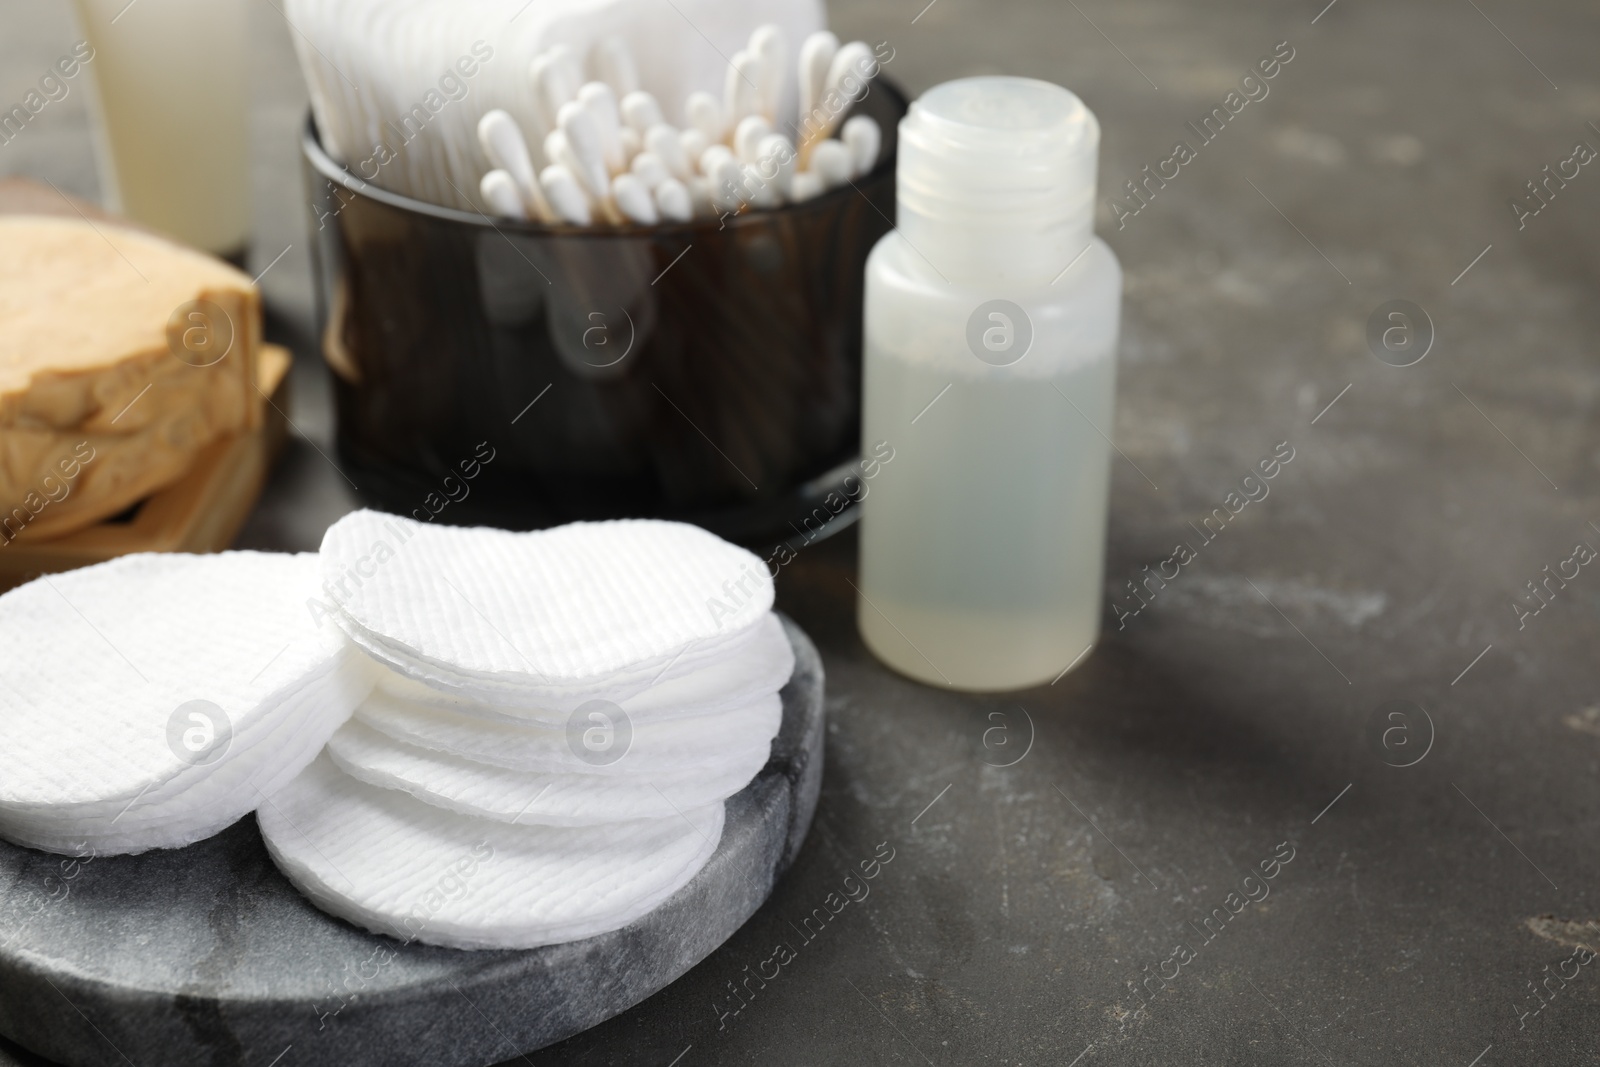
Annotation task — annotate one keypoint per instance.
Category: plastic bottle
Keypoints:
(991, 331)
(174, 129)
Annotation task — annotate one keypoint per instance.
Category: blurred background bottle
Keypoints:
(173, 138)
(990, 366)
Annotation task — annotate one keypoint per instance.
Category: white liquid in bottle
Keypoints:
(174, 114)
(983, 541)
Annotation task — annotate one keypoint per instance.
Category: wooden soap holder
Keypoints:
(201, 512)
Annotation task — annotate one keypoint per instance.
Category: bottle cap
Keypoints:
(999, 157)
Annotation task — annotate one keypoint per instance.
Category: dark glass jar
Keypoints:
(707, 371)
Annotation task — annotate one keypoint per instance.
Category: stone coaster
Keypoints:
(208, 955)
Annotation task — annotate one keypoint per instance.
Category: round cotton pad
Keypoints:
(758, 668)
(128, 689)
(544, 799)
(645, 746)
(550, 618)
(395, 865)
(205, 807)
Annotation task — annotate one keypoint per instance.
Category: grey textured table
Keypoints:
(1244, 706)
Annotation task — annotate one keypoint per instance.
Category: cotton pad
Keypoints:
(760, 667)
(294, 724)
(204, 808)
(641, 746)
(472, 788)
(550, 618)
(143, 701)
(395, 865)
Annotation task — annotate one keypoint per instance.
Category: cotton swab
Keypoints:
(741, 87)
(555, 78)
(776, 159)
(712, 159)
(555, 147)
(558, 153)
(846, 83)
(630, 142)
(705, 114)
(613, 63)
(499, 191)
(640, 111)
(502, 142)
(848, 72)
(725, 174)
(817, 113)
(807, 185)
(830, 161)
(598, 99)
(693, 144)
(747, 137)
(863, 137)
(566, 195)
(583, 141)
(673, 201)
(663, 142)
(816, 56)
(598, 124)
(700, 197)
(648, 168)
(771, 48)
(634, 200)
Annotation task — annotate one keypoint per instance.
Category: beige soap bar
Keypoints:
(122, 355)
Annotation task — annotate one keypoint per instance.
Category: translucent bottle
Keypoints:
(991, 332)
(174, 145)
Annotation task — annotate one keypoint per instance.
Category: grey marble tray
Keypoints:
(207, 955)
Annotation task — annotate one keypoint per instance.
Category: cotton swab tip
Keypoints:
(704, 113)
(712, 159)
(640, 111)
(807, 185)
(587, 147)
(747, 136)
(816, 56)
(741, 87)
(694, 145)
(852, 67)
(499, 191)
(566, 195)
(503, 143)
(771, 47)
(664, 142)
(830, 161)
(631, 143)
(601, 102)
(776, 161)
(634, 200)
(648, 168)
(673, 201)
(862, 135)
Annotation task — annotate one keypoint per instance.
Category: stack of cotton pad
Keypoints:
(561, 717)
(151, 701)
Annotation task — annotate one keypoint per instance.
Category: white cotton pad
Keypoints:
(206, 807)
(395, 865)
(666, 747)
(758, 668)
(106, 667)
(648, 747)
(551, 618)
(472, 788)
